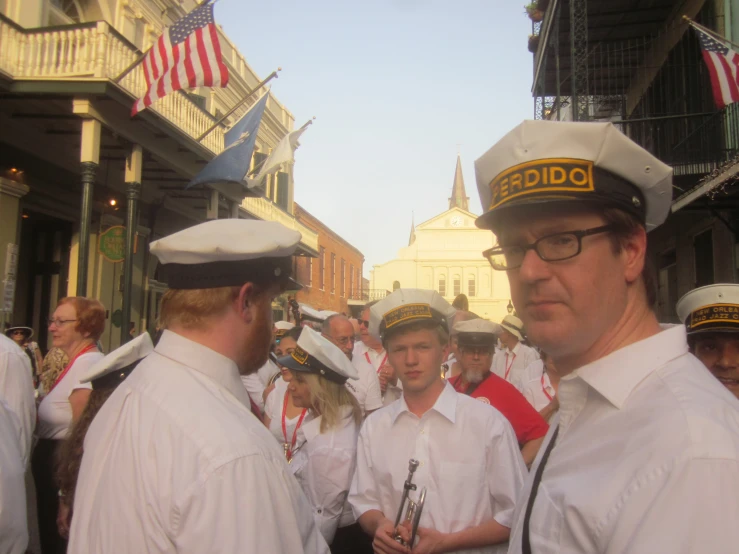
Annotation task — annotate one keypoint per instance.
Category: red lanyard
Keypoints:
(543, 388)
(289, 448)
(69, 365)
(366, 357)
(508, 367)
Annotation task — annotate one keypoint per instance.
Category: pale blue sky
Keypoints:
(395, 86)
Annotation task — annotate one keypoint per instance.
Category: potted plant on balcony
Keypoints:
(534, 12)
(533, 43)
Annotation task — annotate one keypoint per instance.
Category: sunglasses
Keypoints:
(363, 322)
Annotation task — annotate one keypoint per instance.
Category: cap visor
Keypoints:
(291, 363)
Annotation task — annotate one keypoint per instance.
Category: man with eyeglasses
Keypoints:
(643, 455)
(475, 346)
(369, 352)
(339, 330)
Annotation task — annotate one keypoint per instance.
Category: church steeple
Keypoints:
(459, 197)
(412, 238)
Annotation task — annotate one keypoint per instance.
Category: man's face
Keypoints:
(341, 333)
(508, 339)
(416, 357)
(568, 305)
(719, 352)
(475, 362)
(364, 327)
(259, 340)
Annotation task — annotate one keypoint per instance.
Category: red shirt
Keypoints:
(501, 395)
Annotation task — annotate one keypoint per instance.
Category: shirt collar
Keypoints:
(202, 359)
(311, 427)
(515, 349)
(617, 375)
(445, 405)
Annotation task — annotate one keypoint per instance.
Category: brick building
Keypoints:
(333, 281)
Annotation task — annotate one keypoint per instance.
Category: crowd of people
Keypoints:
(578, 424)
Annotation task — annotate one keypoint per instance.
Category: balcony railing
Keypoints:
(262, 208)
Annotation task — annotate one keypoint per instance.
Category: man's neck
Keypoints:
(513, 344)
(373, 345)
(635, 325)
(421, 402)
(211, 337)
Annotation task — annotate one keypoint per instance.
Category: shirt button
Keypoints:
(423, 431)
(319, 511)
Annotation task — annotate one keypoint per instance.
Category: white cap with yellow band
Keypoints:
(710, 309)
(405, 306)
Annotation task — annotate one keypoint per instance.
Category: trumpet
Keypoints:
(413, 509)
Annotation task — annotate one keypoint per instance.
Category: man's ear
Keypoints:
(634, 251)
(246, 302)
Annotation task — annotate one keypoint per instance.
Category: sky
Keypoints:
(397, 88)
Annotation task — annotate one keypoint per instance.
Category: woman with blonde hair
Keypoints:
(324, 457)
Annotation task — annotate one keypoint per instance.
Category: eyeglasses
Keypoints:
(551, 248)
(60, 322)
(476, 350)
(363, 322)
(343, 341)
(19, 332)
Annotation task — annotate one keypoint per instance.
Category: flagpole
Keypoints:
(709, 31)
(259, 167)
(138, 60)
(238, 104)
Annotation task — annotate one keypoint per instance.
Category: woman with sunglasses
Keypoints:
(325, 458)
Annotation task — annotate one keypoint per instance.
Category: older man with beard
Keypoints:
(476, 345)
(339, 330)
(174, 461)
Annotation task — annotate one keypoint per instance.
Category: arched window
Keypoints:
(396, 285)
(457, 285)
(442, 285)
(471, 290)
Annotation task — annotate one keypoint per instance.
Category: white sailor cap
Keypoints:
(405, 306)
(476, 332)
(116, 366)
(552, 161)
(311, 314)
(513, 325)
(282, 327)
(710, 309)
(227, 252)
(316, 354)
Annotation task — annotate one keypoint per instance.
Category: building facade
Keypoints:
(75, 168)
(333, 280)
(445, 254)
(639, 65)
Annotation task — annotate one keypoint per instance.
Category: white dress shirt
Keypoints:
(365, 357)
(13, 525)
(646, 461)
(254, 388)
(537, 388)
(55, 411)
(366, 389)
(324, 466)
(511, 364)
(469, 460)
(273, 407)
(175, 461)
(16, 388)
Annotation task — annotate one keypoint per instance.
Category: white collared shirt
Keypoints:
(175, 462)
(366, 389)
(16, 388)
(13, 525)
(366, 361)
(469, 460)
(511, 364)
(324, 466)
(646, 461)
(537, 387)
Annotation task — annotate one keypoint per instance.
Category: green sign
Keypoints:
(112, 244)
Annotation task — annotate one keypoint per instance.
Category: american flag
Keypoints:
(187, 55)
(723, 66)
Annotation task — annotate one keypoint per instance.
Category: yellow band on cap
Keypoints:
(300, 355)
(714, 315)
(406, 312)
(541, 177)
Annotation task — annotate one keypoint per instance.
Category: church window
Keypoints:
(471, 286)
(442, 285)
(396, 285)
(457, 285)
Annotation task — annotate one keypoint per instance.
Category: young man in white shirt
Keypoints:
(175, 461)
(467, 454)
(339, 330)
(643, 455)
(511, 362)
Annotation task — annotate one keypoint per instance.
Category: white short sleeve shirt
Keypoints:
(13, 526)
(657, 437)
(470, 463)
(537, 387)
(366, 389)
(175, 462)
(511, 364)
(16, 388)
(55, 411)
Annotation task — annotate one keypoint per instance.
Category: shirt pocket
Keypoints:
(546, 523)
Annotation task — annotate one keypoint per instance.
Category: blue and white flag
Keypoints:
(232, 164)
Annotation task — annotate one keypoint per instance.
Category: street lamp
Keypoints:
(509, 307)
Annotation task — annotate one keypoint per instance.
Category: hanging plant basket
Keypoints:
(533, 43)
(534, 12)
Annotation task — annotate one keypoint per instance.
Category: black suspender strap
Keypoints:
(526, 539)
